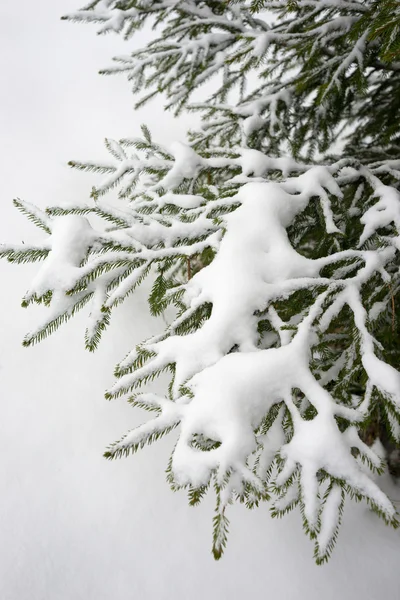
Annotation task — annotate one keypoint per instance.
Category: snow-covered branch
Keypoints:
(282, 270)
(227, 378)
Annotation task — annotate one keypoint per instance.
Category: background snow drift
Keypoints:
(72, 525)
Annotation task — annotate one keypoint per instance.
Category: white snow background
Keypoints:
(72, 525)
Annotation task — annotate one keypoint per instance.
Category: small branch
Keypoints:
(393, 308)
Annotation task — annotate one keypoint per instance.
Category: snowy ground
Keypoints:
(72, 525)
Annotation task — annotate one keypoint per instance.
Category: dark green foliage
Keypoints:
(131, 448)
(33, 214)
(220, 520)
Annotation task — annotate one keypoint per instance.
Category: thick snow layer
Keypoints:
(231, 393)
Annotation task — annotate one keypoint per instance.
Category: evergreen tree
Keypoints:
(275, 235)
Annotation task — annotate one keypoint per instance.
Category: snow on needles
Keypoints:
(240, 404)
